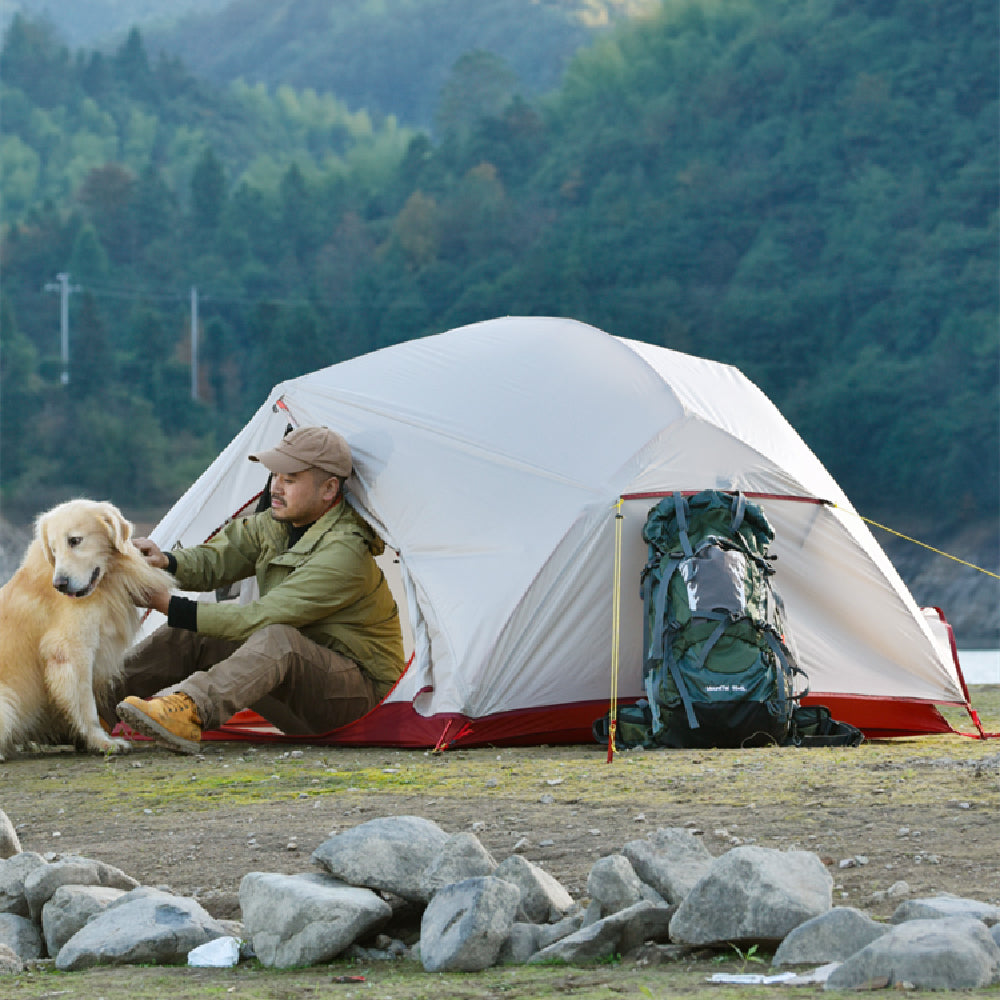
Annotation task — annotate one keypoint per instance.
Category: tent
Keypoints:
(494, 458)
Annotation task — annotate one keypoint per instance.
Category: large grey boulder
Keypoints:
(22, 936)
(951, 953)
(461, 856)
(831, 937)
(617, 934)
(41, 883)
(672, 860)
(13, 872)
(753, 894)
(543, 898)
(305, 919)
(390, 853)
(466, 924)
(945, 905)
(144, 926)
(613, 884)
(70, 907)
(10, 844)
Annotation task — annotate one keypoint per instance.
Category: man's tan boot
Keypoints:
(172, 720)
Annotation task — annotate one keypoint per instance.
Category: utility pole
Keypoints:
(64, 288)
(194, 342)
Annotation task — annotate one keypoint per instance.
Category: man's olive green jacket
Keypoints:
(327, 585)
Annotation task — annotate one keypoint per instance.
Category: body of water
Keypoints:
(980, 666)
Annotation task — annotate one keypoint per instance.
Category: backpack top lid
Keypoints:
(710, 512)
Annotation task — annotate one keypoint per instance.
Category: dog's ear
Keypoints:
(119, 530)
(42, 534)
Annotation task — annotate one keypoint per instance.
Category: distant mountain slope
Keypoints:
(90, 22)
(391, 57)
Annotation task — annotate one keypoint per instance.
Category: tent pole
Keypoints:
(615, 629)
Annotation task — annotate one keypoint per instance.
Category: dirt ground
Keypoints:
(922, 810)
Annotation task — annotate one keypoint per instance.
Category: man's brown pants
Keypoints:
(297, 685)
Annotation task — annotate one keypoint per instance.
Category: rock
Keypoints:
(390, 853)
(831, 937)
(70, 907)
(521, 944)
(306, 919)
(543, 898)
(144, 926)
(21, 935)
(950, 953)
(936, 907)
(10, 844)
(622, 932)
(461, 856)
(614, 884)
(43, 882)
(671, 860)
(13, 872)
(753, 894)
(550, 933)
(466, 924)
(10, 964)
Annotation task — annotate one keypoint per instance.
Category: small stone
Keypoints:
(522, 844)
(546, 843)
(547, 799)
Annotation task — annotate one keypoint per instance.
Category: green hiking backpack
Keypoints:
(717, 669)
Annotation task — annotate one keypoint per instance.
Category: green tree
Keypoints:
(208, 191)
(480, 85)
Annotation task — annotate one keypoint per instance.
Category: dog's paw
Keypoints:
(101, 742)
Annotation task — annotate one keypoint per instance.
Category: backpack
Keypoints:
(717, 669)
(813, 726)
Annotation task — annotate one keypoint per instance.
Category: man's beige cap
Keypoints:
(308, 447)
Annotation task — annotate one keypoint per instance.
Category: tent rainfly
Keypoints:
(493, 460)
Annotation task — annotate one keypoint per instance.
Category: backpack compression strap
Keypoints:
(681, 509)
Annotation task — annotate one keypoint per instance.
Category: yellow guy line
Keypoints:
(615, 628)
(916, 541)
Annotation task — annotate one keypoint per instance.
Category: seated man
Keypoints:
(319, 648)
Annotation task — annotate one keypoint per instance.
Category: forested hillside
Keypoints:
(392, 57)
(805, 190)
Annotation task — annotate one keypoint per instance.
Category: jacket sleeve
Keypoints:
(230, 556)
(331, 579)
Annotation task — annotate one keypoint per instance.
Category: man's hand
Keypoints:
(159, 600)
(151, 552)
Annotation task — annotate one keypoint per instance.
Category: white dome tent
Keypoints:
(492, 459)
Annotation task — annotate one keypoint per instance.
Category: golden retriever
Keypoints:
(66, 618)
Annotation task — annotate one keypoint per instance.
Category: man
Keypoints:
(319, 648)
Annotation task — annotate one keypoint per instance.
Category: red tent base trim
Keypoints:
(397, 724)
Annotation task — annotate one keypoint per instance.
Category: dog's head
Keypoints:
(80, 539)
